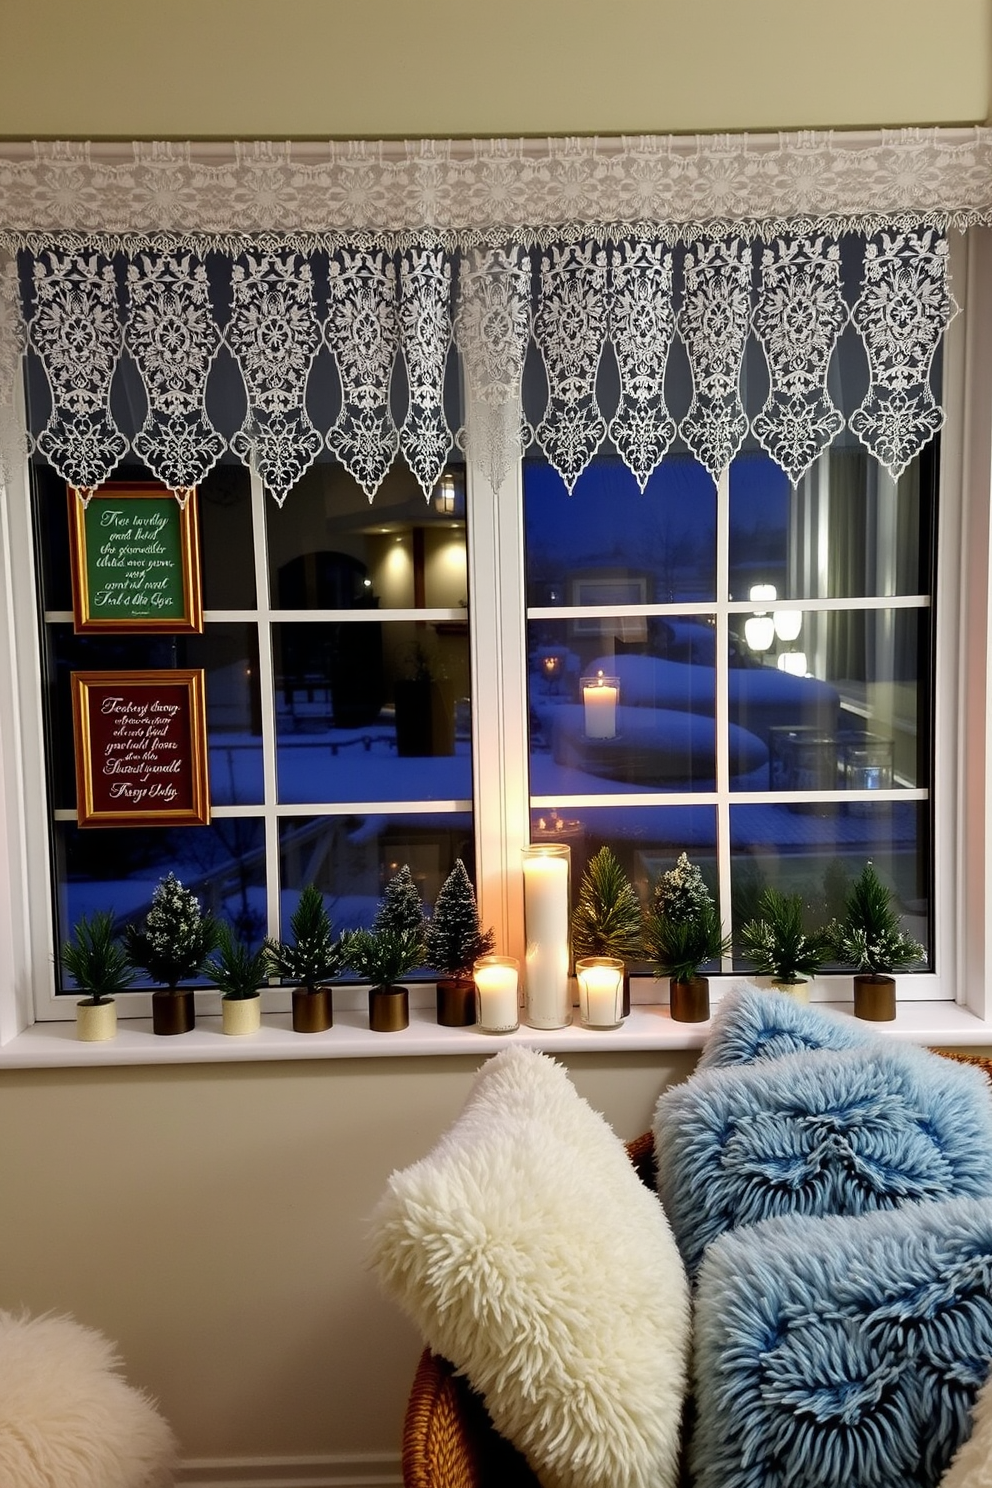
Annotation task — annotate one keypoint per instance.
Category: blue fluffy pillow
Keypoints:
(842, 1353)
(819, 1133)
(750, 1024)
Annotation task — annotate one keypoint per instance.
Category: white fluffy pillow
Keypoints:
(528, 1252)
(971, 1466)
(68, 1419)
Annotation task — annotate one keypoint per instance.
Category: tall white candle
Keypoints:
(600, 981)
(599, 697)
(496, 987)
(547, 1000)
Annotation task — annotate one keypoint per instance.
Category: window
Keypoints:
(793, 648)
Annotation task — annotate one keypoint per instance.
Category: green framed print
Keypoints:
(135, 560)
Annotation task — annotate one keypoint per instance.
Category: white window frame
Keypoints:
(963, 719)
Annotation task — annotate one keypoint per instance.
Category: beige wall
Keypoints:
(223, 67)
(211, 1218)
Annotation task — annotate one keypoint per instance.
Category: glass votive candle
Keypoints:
(496, 979)
(600, 981)
(600, 696)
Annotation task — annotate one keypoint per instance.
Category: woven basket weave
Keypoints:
(448, 1438)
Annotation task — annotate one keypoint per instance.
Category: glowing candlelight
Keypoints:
(600, 696)
(496, 986)
(600, 981)
(547, 1000)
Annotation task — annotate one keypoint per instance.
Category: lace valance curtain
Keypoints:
(386, 261)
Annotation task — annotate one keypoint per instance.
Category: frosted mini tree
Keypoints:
(400, 907)
(870, 939)
(173, 947)
(682, 931)
(455, 938)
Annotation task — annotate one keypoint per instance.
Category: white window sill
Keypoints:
(649, 1027)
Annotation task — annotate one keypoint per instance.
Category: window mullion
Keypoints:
(266, 685)
(722, 702)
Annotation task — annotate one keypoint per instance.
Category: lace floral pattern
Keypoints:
(902, 312)
(76, 332)
(173, 337)
(798, 318)
(425, 324)
(570, 331)
(274, 335)
(492, 327)
(642, 325)
(362, 331)
(714, 324)
(13, 343)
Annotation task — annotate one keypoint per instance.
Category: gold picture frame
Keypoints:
(140, 741)
(135, 559)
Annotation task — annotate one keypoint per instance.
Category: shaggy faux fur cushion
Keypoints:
(819, 1133)
(842, 1353)
(529, 1253)
(751, 1024)
(68, 1419)
(971, 1466)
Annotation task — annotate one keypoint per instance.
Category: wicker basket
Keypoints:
(449, 1440)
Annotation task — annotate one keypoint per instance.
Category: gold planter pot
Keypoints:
(95, 1021)
(455, 1002)
(690, 1001)
(240, 1015)
(313, 1012)
(875, 998)
(389, 1009)
(173, 1011)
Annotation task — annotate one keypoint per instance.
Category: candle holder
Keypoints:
(547, 997)
(600, 696)
(600, 981)
(496, 994)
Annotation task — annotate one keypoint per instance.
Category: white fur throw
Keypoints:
(68, 1419)
(971, 1466)
(529, 1253)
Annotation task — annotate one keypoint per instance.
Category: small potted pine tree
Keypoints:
(98, 964)
(682, 932)
(394, 945)
(454, 941)
(173, 947)
(778, 945)
(869, 938)
(311, 960)
(607, 918)
(238, 972)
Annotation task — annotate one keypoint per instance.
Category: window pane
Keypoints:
(818, 849)
(646, 840)
(352, 858)
(606, 544)
(847, 530)
(660, 732)
(372, 712)
(330, 550)
(229, 656)
(854, 715)
(118, 869)
(226, 552)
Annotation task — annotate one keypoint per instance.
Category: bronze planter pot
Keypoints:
(389, 1009)
(875, 998)
(173, 1011)
(456, 1002)
(690, 1001)
(312, 1011)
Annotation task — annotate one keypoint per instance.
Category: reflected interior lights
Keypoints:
(788, 624)
(759, 632)
(793, 662)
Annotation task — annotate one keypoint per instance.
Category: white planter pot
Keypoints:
(798, 991)
(96, 1021)
(241, 1014)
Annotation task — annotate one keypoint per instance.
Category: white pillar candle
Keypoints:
(599, 696)
(496, 990)
(547, 1000)
(600, 981)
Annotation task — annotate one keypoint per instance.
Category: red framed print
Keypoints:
(141, 748)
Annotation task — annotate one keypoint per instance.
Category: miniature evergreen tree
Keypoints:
(868, 938)
(776, 942)
(315, 956)
(454, 937)
(96, 960)
(400, 907)
(606, 920)
(682, 929)
(382, 955)
(177, 938)
(235, 969)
